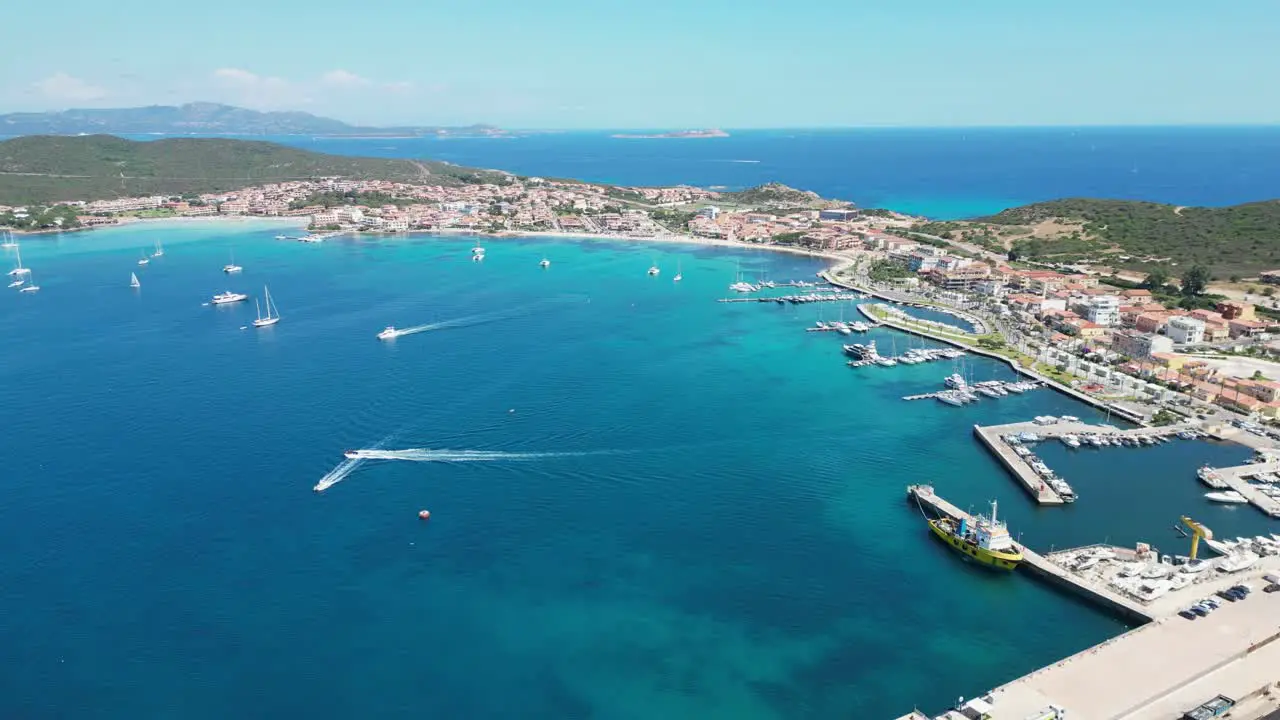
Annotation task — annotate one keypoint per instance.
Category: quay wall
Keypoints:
(1066, 585)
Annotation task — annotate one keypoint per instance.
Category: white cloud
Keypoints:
(259, 91)
(61, 86)
(344, 79)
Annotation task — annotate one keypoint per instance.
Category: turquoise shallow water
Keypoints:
(720, 532)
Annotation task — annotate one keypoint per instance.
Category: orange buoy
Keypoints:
(424, 514)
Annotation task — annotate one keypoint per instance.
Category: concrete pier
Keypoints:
(1158, 671)
(1234, 477)
(1037, 488)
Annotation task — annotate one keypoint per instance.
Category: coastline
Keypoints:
(278, 221)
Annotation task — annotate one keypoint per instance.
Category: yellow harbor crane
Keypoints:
(1197, 531)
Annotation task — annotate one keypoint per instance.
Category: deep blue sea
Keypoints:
(671, 507)
(942, 173)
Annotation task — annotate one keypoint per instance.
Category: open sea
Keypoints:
(942, 173)
(644, 503)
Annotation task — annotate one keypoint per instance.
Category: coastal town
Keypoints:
(1116, 342)
(1177, 364)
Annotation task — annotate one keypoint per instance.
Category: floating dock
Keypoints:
(1160, 670)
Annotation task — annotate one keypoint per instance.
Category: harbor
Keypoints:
(1207, 633)
(1010, 445)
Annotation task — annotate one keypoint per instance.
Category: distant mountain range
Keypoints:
(209, 119)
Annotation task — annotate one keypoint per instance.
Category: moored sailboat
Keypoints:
(273, 313)
(133, 280)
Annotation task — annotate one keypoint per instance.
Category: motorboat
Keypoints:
(1227, 496)
(477, 250)
(742, 287)
(1071, 441)
(1238, 562)
(653, 270)
(955, 380)
(143, 261)
(950, 398)
(223, 298)
(545, 263)
(1086, 563)
(1156, 570)
(1210, 477)
(478, 257)
(159, 251)
(1222, 547)
(389, 333)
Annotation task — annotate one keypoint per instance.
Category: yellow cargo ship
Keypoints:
(983, 539)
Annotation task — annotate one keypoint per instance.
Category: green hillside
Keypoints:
(45, 169)
(1241, 239)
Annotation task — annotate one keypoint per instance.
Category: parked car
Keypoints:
(1187, 614)
(1273, 587)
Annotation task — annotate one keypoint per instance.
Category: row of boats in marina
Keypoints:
(1019, 444)
(864, 354)
(841, 327)
(962, 392)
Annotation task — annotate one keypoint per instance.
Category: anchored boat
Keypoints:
(983, 539)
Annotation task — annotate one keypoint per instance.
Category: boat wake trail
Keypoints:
(454, 456)
(491, 317)
(345, 468)
(338, 474)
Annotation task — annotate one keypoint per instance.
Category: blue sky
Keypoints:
(662, 63)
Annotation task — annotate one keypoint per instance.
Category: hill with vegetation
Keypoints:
(1235, 240)
(46, 169)
(203, 118)
(772, 194)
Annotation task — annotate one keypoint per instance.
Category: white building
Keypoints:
(1104, 310)
(1185, 330)
(991, 288)
(711, 212)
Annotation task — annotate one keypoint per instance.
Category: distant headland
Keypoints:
(712, 133)
(203, 118)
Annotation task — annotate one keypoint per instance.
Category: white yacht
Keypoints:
(886, 362)
(679, 275)
(143, 260)
(1236, 563)
(1226, 496)
(31, 285)
(273, 314)
(19, 270)
(478, 257)
(223, 298)
(477, 250)
(232, 267)
(9, 243)
(955, 380)
(389, 333)
(159, 251)
(653, 270)
(133, 280)
(1071, 441)
(1210, 477)
(18, 283)
(742, 287)
(545, 263)
(950, 398)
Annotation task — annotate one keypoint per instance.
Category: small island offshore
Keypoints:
(678, 134)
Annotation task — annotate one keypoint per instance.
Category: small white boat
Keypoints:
(18, 283)
(1222, 547)
(273, 314)
(949, 398)
(1071, 441)
(1226, 496)
(232, 267)
(133, 280)
(478, 257)
(1085, 563)
(143, 260)
(389, 333)
(1156, 570)
(159, 251)
(679, 275)
(742, 287)
(653, 270)
(545, 263)
(9, 243)
(31, 285)
(19, 270)
(477, 250)
(223, 298)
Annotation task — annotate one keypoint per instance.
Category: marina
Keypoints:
(1207, 631)
(1009, 444)
(1263, 495)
